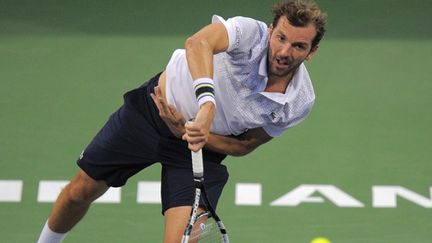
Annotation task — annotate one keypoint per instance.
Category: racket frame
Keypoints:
(198, 172)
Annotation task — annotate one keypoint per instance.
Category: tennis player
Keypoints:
(242, 82)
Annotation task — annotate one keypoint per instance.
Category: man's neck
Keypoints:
(278, 84)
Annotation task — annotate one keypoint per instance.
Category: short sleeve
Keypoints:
(243, 33)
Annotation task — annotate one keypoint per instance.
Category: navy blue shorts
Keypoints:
(135, 137)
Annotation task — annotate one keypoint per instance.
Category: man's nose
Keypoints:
(285, 50)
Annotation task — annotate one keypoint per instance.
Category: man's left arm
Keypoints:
(238, 145)
(231, 145)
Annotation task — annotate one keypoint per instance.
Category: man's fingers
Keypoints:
(194, 133)
(160, 102)
(195, 136)
(195, 146)
(194, 130)
(158, 91)
(176, 114)
(156, 101)
(189, 139)
(190, 126)
(196, 140)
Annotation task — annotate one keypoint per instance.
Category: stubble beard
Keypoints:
(287, 72)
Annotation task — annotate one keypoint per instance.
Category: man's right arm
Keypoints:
(200, 49)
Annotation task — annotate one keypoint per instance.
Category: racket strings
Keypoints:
(206, 232)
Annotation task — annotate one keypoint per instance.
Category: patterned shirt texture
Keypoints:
(240, 76)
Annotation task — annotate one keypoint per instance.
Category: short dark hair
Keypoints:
(301, 13)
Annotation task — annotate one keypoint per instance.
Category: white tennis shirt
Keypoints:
(240, 76)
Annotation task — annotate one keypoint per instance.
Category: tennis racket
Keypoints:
(206, 226)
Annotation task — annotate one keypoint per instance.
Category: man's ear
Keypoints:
(270, 29)
(312, 52)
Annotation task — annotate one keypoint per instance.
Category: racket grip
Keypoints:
(197, 163)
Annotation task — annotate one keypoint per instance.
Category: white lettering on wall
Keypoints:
(11, 190)
(303, 194)
(386, 197)
(50, 190)
(250, 194)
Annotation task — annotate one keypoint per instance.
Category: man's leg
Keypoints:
(175, 223)
(72, 204)
(176, 219)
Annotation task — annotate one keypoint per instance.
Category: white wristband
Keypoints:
(204, 91)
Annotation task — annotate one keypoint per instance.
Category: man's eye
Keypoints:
(300, 47)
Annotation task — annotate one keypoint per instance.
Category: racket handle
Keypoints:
(197, 163)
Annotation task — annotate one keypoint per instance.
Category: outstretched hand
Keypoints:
(172, 118)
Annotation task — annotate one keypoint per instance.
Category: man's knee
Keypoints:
(84, 190)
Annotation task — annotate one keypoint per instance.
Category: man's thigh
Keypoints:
(178, 185)
(124, 146)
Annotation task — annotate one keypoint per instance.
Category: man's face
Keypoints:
(289, 46)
